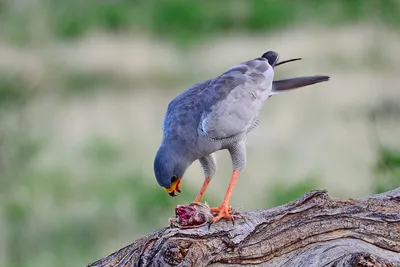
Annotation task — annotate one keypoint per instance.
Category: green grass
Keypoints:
(386, 170)
(280, 194)
(184, 22)
(14, 90)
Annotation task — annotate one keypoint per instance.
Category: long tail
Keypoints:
(294, 83)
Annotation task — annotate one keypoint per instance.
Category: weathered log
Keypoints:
(315, 230)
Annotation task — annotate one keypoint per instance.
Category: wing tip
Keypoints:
(323, 78)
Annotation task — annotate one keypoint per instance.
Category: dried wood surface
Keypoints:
(315, 230)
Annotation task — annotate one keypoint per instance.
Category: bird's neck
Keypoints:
(177, 152)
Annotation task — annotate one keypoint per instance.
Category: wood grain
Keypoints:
(315, 230)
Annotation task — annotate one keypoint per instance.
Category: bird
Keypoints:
(217, 114)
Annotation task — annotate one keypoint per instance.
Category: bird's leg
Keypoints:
(202, 189)
(223, 210)
(209, 165)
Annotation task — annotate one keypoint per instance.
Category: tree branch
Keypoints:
(315, 230)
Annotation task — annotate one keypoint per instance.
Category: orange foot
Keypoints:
(217, 209)
(223, 212)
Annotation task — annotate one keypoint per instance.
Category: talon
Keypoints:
(217, 209)
(223, 213)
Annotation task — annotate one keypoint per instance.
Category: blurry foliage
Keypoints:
(180, 20)
(387, 170)
(271, 14)
(387, 167)
(280, 194)
(59, 216)
(14, 90)
(82, 82)
(74, 18)
(15, 144)
(65, 225)
(102, 151)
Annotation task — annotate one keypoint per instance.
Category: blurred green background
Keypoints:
(84, 86)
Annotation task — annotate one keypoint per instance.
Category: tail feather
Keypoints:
(294, 83)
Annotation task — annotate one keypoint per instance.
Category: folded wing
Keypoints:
(235, 98)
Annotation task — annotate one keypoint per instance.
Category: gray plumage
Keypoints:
(217, 114)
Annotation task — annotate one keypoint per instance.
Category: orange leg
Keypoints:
(202, 190)
(223, 210)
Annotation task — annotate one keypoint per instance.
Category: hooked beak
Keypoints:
(175, 186)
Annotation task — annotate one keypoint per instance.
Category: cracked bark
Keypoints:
(315, 230)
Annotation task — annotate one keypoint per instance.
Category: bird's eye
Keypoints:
(174, 178)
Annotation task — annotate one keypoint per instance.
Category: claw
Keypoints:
(217, 209)
(228, 213)
(223, 213)
(224, 209)
(172, 194)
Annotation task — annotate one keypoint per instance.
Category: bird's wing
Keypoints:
(234, 99)
(183, 108)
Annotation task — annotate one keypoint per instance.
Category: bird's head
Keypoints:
(169, 168)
